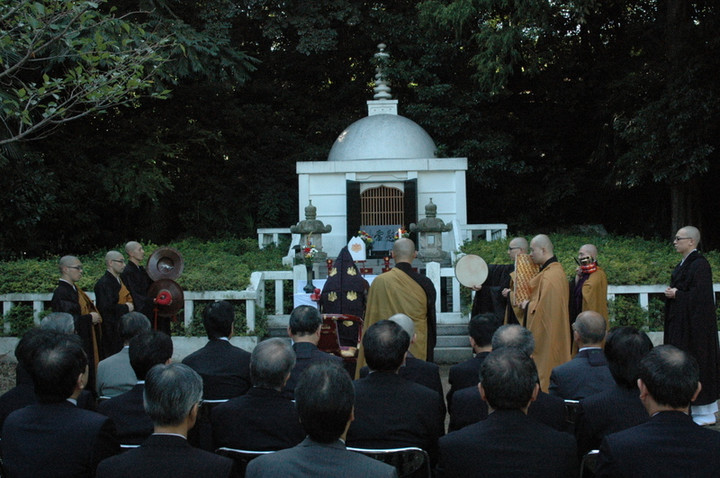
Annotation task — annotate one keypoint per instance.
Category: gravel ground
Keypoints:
(7, 373)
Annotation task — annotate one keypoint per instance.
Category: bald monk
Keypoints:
(113, 301)
(403, 291)
(546, 312)
(588, 291)
(495, 295)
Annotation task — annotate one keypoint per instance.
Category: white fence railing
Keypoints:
(448, 308)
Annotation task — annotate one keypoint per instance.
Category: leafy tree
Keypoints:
(65, 59)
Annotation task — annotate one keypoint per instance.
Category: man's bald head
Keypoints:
(112, 256)
(403, 250)
(131, 246)
(590, 327)
(588, 250)
(519, 245)
(693, 232)
(67, 261)
(406, 323)
(541, 249)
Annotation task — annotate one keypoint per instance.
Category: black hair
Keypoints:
(149, 349)
(385, 344)
(218, 318)
(670, 375)
(624, 348)
(324, 397)
(508, 377)
(56, 362)
(482, 327)
(304, 320)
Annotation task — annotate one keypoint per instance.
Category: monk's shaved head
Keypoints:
(131, 246)
(541, 249)
(112, 256)
(403, 250)
(520, 242)
(692, 231)
(588, 250)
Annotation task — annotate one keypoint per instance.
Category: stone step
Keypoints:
(452, 329)
(451, 355)
(452, 341)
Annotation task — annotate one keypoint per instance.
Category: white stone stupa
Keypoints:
(379, 170)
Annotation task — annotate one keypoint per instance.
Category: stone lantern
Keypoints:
(430, 232)
(311, 231)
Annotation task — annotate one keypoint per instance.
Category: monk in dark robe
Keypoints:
(494, 295)
(137, 281)
(113, 301)
(69, 298)
(403, 291)
(345, 292)
(690, 320)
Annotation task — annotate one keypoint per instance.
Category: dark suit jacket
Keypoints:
(418, 371)
(56, 440)
(224, 368)
(508, 443)
(107, 293)
(465, 374)
(586, 374)
(392, 412)
(607, 412)
(166, 456)
(670, 444)
(469, 407)
(306, 353)
(127, 411)
(311, 458)
(24, 394)
(262, 419)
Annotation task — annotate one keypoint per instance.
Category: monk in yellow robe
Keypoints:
(546, 311)
(403, 291)
(588, 291)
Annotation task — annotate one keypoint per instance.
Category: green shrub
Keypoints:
(21, 319)
(626, 310)
(196, 328)
(626, 260)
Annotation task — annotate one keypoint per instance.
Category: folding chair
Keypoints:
(588, 465)
(410, 462)
(241, 457)
(572, 409)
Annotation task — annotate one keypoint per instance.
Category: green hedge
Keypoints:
(626, 260)
(219, 265)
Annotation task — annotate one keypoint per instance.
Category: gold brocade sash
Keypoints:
(124, 295)
(87, 306)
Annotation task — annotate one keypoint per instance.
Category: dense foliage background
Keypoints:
(569, 112)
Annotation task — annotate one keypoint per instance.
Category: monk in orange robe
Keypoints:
(546, 312)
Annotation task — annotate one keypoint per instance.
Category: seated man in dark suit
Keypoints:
(465, 374)
(115, 374)
(469, 407)
(619, 407)
(23, 394)
(508, 442)
(304, 330)
(172, 397)
(263, 418)
(324, 397)
(127, 410)
(415, 370)
(670, 444)
(55, 438)
(587, 373)
(224, 368)
(391, 411)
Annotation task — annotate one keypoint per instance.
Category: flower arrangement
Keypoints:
(367, 238)
(400, 233)
(309, 253)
